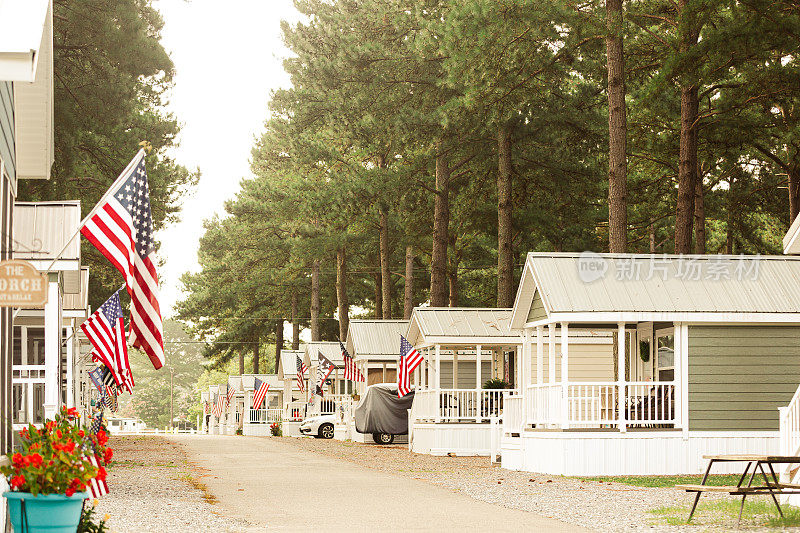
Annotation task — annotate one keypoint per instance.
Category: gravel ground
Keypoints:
(597, 505)
(152, 489)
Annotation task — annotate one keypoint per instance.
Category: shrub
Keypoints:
(275, 429)
(55, 459)
(496, 383)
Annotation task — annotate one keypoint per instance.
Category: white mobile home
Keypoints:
(257, 421)
(336, 390)
(294, 400)
(705, 351)
(375, 347)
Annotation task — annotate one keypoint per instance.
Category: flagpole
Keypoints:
(135, 159)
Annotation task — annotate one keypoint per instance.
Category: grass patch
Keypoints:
(724, 513)
(199, 485)
(666, 481)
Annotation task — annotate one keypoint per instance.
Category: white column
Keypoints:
(478, 360)
(52, 348)
(565, 372)
(621, 357)
(551, 353)
(437, 382)
(70, 366)
(455, 368)
(539, 356)
(383, 379)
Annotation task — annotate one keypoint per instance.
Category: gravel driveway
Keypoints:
(151, 491)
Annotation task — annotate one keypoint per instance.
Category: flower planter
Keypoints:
(51, 513)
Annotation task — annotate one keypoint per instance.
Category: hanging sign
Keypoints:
(21, 285)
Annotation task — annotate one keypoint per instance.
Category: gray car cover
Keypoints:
(381, 411)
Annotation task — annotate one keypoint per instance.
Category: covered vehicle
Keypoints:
(382, 413)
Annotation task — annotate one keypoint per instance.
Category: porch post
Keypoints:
(384, 372)
(52, 348)
(70, 366)
(539, 356)
(455, 368)
(478, 367)
(551, 352)
(565, 373)
(621, 358)
(437, 382)
(248, 404)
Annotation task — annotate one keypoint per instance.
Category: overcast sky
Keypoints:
(228, 57)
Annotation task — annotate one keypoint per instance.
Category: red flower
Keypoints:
(101, 474)
(73, 412)
(58, 434)
(35, 460)
(24, 433)
(81, 434)
(69, 447)
(33, 447)
(70, 491)
(50, 425)
(17, 481)
(18, 460)
(108, 455)
(102, 438)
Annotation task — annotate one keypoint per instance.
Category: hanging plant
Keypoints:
(644, 350)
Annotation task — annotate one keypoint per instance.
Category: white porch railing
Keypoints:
(597, 404)
(332, 403)
(457, 405)
(264, 416)
(295, 410)
(513, 413)
(789, 419)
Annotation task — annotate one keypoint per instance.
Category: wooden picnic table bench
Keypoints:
(772, 485)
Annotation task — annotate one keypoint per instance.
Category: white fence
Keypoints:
(513, 413)
(264, 416)
(601, 404)
(457, 405)
(295, 410)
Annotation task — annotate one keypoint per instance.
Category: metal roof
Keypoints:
(41, 229)
(248, 381)
(287, 365)
(375, 339)
(642, 283)
(331, 350)
(791, 245)
(461, 325)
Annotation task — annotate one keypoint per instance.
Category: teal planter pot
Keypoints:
(51, 513)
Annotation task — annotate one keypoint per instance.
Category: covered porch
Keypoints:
(257, 421)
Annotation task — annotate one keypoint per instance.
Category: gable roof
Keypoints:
(331, 350)
(460, 325)
(375, 339)
(287, 364)
(248, 381)
(24, 28)
(660, 287)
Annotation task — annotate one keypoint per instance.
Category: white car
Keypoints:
(320, 426)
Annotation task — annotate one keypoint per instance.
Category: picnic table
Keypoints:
(771, 486)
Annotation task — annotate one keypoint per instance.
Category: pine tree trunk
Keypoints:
(295, 324)
(505, 254)
(278, 342)
(315, 300)
(241, 363)
(441, 223)
(651, 228)
(341, 293)
(687, 163)
(256, 356)
(378, 295)
(699, 219)
(386, 276)
(408, 300)
(452, 282)
(794, 186)
(617, 131)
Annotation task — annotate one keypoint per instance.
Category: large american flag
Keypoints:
(410, 359)
(122, 229)
(324, 369)
(229, 396)
(351, 372)
(260, 389)
(301, 373)
(105, 329)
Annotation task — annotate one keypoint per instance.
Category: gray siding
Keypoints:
(7, 152)
(466, 373)
(740, 375)
(537, 311)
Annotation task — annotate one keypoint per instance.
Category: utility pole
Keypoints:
(171, 399)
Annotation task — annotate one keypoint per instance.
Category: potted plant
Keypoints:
(49, 471)
(275, 429)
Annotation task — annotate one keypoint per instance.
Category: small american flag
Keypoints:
(97, 424)
(351, 372)
(324, 369)
(229, 396)
(122, 229)
(97, 487)
(410, 359)
(260, 391)
(105, 329)
(301, 373)
(96, 376)
(219, 407)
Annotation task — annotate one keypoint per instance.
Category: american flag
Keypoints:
(215, 408)
(351, 372)
(105, 329)
(220, 405)
(97, 424)
(410, 359)
(260, 391)
(324, 369)
(229, 396)
(122, 229)
(301, 373)
(97, 487)
(96, 376)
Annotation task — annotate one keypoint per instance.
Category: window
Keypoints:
(17, 348)
(35, 346)
(665, 355)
